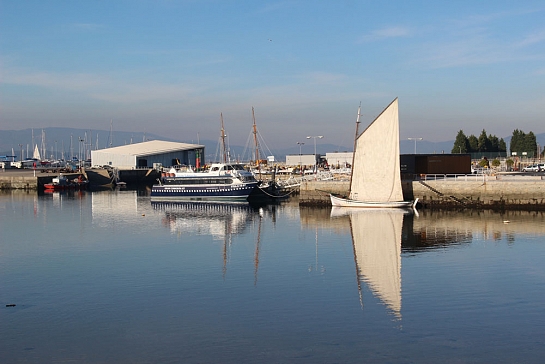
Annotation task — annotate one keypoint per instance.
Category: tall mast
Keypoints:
(111, 134)
(224, 147)
(255, 139)
(354, 154)
(256, 146)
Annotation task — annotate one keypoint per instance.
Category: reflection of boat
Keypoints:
(376, 238)
(376, 177)
(62, 183)
(216, 219)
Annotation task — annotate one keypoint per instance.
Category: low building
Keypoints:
(149, 154)
(412, 164)
(339, 159)
(301, 159)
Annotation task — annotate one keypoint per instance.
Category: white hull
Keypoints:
(343, 202)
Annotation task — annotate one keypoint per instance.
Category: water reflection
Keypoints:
(440, 229)
(376, 238)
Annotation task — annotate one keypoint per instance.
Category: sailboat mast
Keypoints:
(255, 139)
(354, 153)
(224, 147)
(256, 146)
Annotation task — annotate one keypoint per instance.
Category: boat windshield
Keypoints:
(230, 167)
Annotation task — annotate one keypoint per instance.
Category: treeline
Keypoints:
(523, 143)
(472, 144)
(520, 143)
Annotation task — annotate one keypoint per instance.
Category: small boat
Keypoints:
(61, 183)
(220, 182)
(375, 180)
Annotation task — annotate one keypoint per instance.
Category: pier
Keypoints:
(497, 192)
(28, 179)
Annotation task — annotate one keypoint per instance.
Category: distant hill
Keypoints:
(59, 140)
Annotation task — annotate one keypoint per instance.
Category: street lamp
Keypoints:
(415, 140)
(300, 163)
(315, 137)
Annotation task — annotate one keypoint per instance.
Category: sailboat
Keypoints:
(375, 181)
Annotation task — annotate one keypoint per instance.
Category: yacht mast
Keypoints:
(354, 154)
(224, 147)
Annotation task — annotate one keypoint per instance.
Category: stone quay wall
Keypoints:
(488, 192)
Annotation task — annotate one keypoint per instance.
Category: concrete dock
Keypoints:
(28, 179)
(498, 192)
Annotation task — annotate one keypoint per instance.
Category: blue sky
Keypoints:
(171, 67)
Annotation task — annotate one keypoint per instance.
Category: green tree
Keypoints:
(530, 143)
(517, 140)
(473, 144)
(494, 143)
(522, 142)
(484, 142)
(461, 144)
(502, 147)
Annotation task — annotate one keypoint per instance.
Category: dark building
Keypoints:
(412, 164)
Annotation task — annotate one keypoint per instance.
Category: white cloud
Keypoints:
(385, 33)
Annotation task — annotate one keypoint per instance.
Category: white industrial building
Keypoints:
(149, 154)
(301, 159)
(339, 160)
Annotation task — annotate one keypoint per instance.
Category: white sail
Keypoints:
(376, 235)
(376, 169)
(36, 154)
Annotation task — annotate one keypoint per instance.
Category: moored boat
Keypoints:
(220, 182)
(375, 181)
(62, 183)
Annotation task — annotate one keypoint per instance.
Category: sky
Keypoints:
(175, 67)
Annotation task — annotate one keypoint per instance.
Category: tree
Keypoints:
(484, 142)
(461, 144)
(530, 144)
(473, 143)
(522, 142)
(502, 147)
(494, 143)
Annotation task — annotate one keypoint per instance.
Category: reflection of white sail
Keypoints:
(376, 235)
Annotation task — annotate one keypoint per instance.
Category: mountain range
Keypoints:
(73, 141)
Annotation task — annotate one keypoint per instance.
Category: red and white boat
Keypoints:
(61, 183)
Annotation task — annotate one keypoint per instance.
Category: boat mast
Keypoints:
(256, 145)
(223, 140)
(354, 154)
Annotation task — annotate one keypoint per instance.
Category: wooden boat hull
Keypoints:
(343, 202)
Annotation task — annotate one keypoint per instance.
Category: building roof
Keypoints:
(149, 148)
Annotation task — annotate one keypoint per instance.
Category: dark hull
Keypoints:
(201, 193)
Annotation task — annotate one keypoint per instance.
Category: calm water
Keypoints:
(107, 277)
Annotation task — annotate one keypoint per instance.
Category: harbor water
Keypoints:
(110, 277)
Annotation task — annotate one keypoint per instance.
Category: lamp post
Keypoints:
(315, 137)
(415, 140)
(21, 157)
(300, 163)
